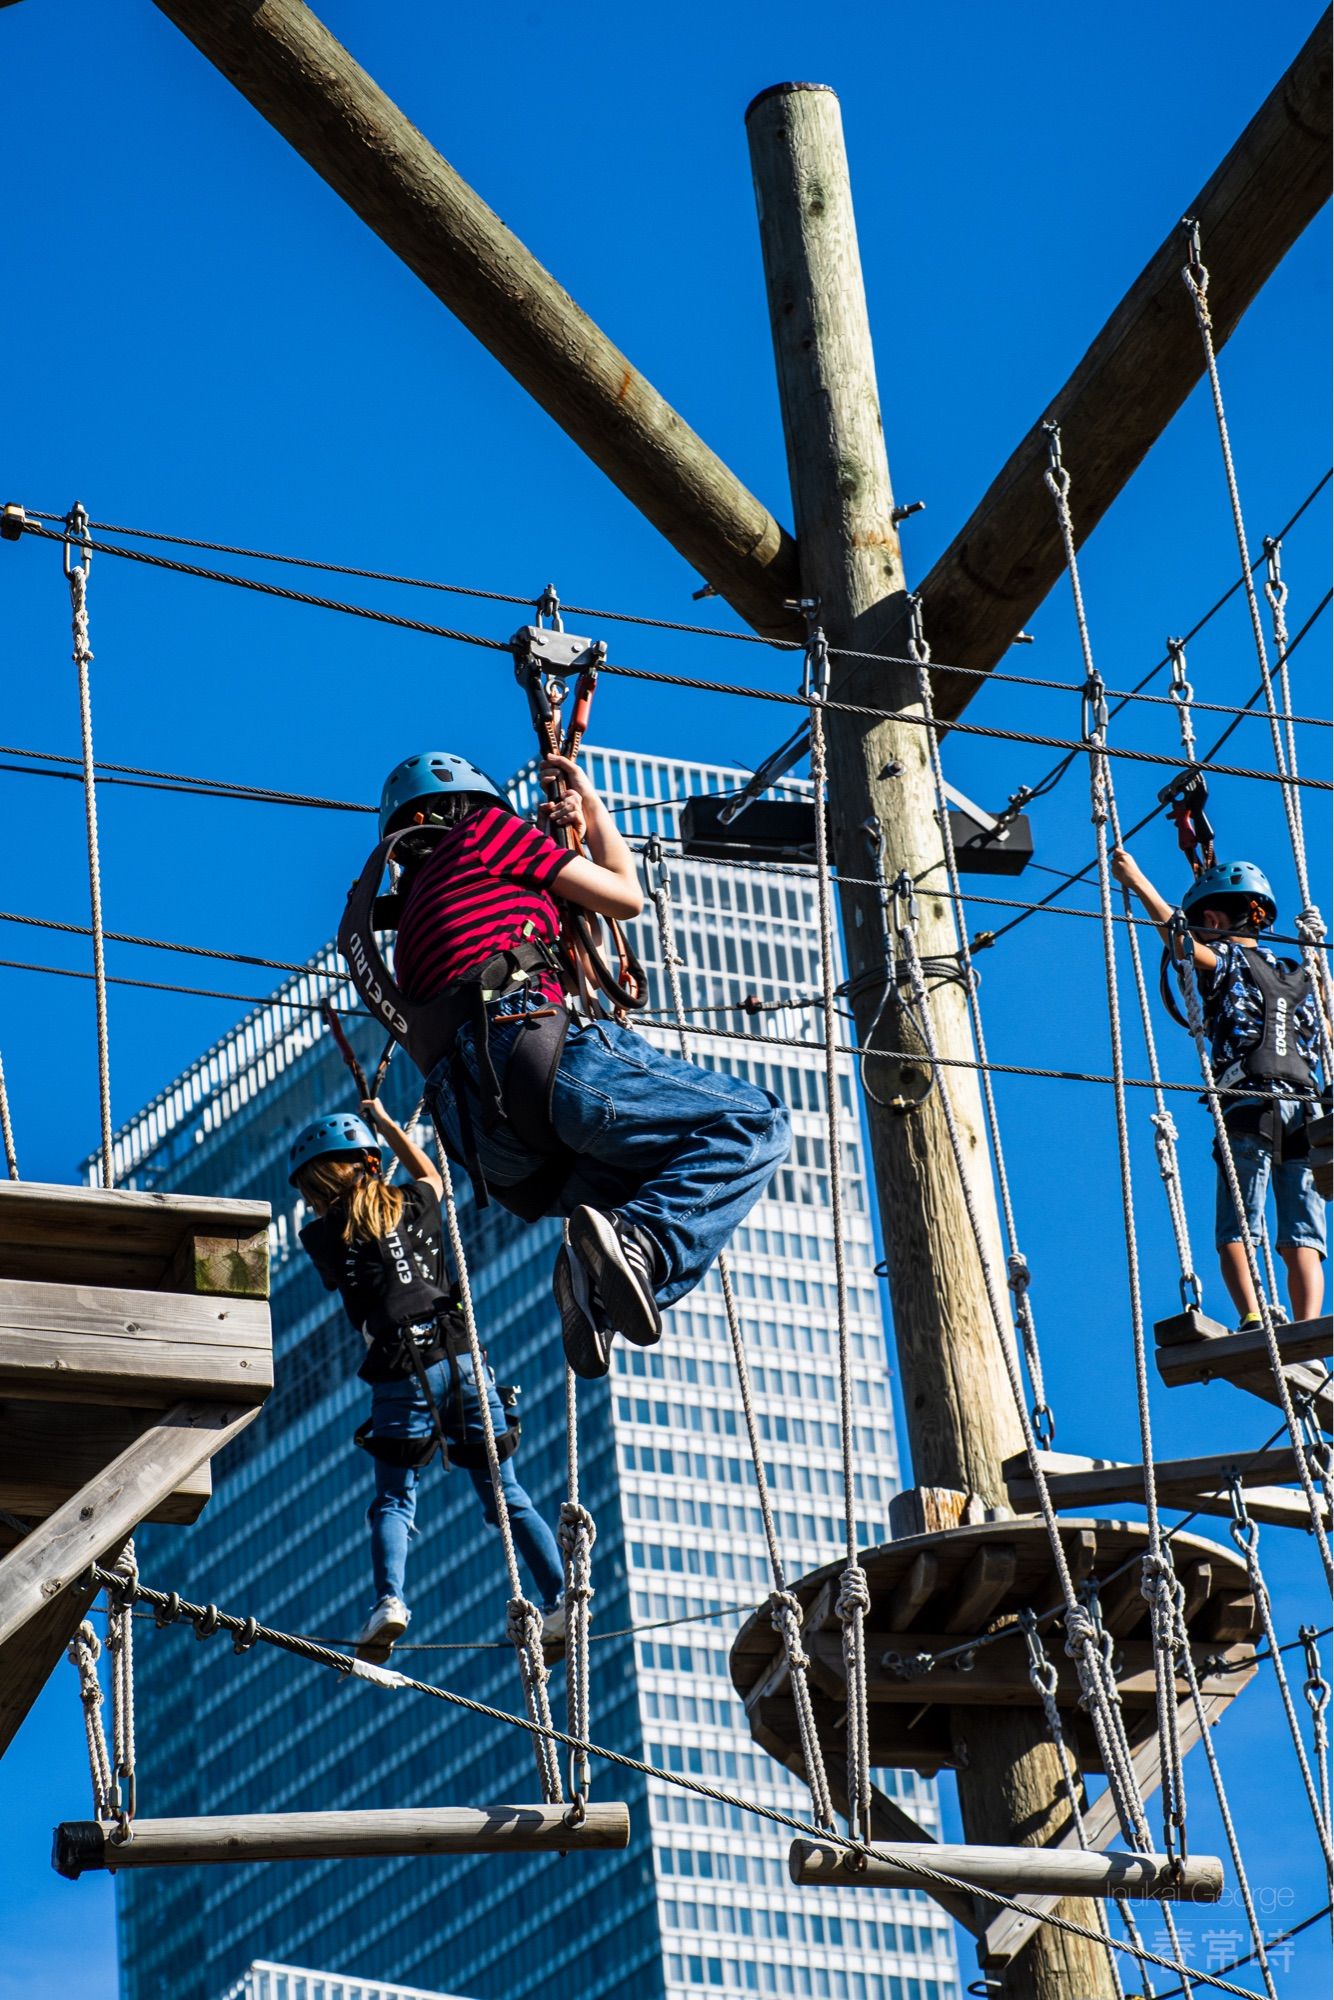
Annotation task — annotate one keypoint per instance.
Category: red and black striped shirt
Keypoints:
(486, 881)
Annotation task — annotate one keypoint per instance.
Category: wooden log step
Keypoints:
(1192, 1348)
(80, 1845)
(1198, 1483)
(101, 1236)
(84, 1343)
(1011, 1871)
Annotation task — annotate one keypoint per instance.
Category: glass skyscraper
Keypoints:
(700, 1903)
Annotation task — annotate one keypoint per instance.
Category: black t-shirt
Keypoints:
(397, 1281)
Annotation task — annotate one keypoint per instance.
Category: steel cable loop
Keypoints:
(76, 529)
(854, 1591)
(34, 516)
(1183, 953)
(784, 1607)
(1081, 1643)
(169, 1606)
(741, 690)
(1019, 1277)
(523, 1623)
(84, 1651)
(1316, 1690)
(1196, 279)
(7, 1129)
(1245, 1532)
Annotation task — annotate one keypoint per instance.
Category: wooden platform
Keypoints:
(1194, 1348)
(134, 1344)
(1203, 1485)
(932, 1590)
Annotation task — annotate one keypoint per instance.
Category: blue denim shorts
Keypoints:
(1300, 1211)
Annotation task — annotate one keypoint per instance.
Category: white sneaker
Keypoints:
(387, 1623)
(553, 1633)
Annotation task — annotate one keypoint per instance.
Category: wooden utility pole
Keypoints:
(961, 1418)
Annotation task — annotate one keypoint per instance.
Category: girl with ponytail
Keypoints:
(381, 1248)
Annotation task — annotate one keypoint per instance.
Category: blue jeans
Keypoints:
(1299, 1211)
(682, 1152)
(399, 1409)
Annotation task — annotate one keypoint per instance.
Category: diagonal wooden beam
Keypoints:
(1135, 376)
(111, 1505)
(312, 91)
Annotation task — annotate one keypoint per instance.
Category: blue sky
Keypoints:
(201, 339)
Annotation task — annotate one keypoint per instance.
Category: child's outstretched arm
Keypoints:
(604, 880)
(404, 1151)
(1128, 872)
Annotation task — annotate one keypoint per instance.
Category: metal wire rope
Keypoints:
(76, 530)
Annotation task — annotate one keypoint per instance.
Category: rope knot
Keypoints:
(575, 1526)
(854, 1593)
(1310, 925)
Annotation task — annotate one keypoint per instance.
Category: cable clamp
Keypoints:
(13, 520)
(366, 1670)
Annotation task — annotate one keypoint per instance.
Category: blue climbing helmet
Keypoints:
(1227, 879)
(430, 781)
(341, 1135)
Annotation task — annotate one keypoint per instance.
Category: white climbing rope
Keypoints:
(1220, 1792)
(1316, 1690)
(1018, 1274)
(784, 1605)
(1183, 953)
(84, 1652)
(854, 1590)
(1097, 1684)
(76, 531)
(1157, 1571)
(523, 1625)
(120, 1644)
(7, 1129)
(576, 1533)
(1310, 924)
(1245, 1533)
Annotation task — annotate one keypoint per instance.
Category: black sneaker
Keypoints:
(620, 1262)
(585, 1336)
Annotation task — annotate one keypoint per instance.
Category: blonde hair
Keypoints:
(370, 1207)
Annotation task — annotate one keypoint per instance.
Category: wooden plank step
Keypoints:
(1198, 1483)
(1193, 1348)
(93, 1236)
(85, 1344)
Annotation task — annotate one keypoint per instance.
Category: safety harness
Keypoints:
(422, 1345)
(429, 1031)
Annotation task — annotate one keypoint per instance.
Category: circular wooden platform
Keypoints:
(930, 1592)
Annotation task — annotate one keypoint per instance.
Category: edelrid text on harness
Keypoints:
(429, 1029)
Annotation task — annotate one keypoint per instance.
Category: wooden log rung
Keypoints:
(1011, 1871)
(80, 1845)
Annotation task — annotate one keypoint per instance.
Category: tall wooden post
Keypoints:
(960, 1412)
